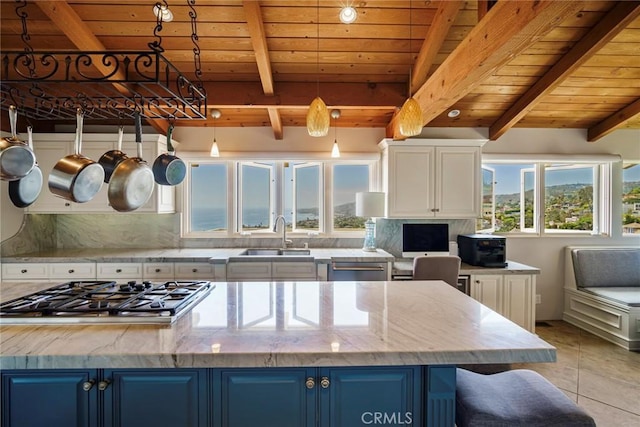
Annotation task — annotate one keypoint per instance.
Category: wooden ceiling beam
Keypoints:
(438, 30)
(81, 36)
(509, 28)
(250, 94)
(259, 41)
(614, 121)
(606, 29)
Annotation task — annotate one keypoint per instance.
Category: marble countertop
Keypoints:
(269, 324)
(213, 255)
(405, 268)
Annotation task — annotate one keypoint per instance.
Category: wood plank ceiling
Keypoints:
(549, 64)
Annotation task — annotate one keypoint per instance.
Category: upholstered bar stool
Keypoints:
(514, 398)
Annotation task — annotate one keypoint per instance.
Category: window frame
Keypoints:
(238, 194)
(603, 203)
(233, 161)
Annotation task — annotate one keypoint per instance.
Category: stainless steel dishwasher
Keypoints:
(357, 271)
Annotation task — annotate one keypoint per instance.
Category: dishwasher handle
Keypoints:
(354, 268)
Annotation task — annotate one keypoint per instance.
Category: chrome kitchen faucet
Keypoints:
(285, 241)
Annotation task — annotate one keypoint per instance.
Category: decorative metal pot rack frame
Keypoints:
(52, 85)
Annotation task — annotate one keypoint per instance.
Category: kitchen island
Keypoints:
(363, 339)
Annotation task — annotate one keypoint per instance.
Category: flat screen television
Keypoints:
(425, 239)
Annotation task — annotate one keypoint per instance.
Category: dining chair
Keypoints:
(440, 267)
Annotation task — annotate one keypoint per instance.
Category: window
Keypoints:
(569, 195)
(487, 223)
(208, 197)
(224, 198)
(255, 199)
(307, 197)
(631, 198)
(347, 181)
(513, 196)
(548, 197)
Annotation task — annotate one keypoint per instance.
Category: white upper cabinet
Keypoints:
(432, 178)
(50, 148)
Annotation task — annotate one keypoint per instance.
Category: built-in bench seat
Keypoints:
(602, 292)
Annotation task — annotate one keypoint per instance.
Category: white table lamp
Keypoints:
(370, 205)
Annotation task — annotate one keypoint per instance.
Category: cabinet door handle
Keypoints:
(324, 382)
(88, 385)
(310, 383)
(102, 385)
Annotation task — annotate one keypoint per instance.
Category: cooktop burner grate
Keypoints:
(107, 299)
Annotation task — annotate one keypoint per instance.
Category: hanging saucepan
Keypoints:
(16, 158)
(167, 168)
(132, 182)
(112, 158)
(76, 177)
(24, 191)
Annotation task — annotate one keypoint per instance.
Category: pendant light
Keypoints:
(410, 116)
(318, 115)
(215, 113)
(335, 151)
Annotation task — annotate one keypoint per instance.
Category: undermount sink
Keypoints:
(276, 252)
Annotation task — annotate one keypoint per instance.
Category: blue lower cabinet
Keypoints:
(440, 391)
(330, 397)
(276, 397)
(44, 398)
(156, 398)
(364, 396)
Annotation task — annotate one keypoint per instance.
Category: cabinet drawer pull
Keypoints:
(24, 270)
(324, 382)
(158, 270)
(119, 270)
(67, 204)
(102, 385)
(310, 383)
(194, 270)
(88, 385)
(71, 271)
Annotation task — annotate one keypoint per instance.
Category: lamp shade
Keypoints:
(410, 118)
(318, 118)
(370, 204)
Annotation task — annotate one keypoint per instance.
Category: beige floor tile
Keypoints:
(617, 393)
(601, 377)
(607, 416)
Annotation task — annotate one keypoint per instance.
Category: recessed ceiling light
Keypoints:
(162, 11)
(348, 15)
(453, 113)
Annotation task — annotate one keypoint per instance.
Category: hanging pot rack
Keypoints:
(53, 85)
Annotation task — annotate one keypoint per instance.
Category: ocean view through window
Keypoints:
(229, 197)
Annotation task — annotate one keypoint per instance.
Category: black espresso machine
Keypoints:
(482, 250)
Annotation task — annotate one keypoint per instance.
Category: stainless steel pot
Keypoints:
(132, 181)
(168, 169)
(24, 191)
(76, 177)
(112, 158)
(16, 158)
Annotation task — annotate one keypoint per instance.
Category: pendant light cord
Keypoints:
(410, 40)
(318, 47)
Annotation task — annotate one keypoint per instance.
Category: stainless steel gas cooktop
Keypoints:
(85, 302)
